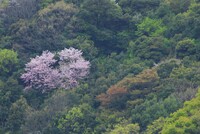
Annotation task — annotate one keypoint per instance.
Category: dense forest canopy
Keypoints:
(99, 66)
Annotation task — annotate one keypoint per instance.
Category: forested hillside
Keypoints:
(99, 66)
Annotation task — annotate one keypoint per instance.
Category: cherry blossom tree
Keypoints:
(46, 73)
(72, 67)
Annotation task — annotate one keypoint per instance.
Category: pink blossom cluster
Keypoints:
(45, 73)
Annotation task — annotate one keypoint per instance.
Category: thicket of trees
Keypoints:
(99, 66)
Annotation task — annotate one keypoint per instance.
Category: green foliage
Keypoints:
(13, 11)
(185, 47)
(190, 73)
(4, 3)
(155, 127)
(75, 2)
(185, 120)
(107, 120)
(84, 44)
(149, 48)
(150, 27)
(180, 88)
(101, 12)
(1, 28)
(126, 129)
(105, 23)
(45, 3)
(79, 120)
(138, 6)
(181, 72)
(5, 41)
(10, 92)
(186, 23)
(51, 23)
(8, 61)
(152, 109)
(178, 6)
(108, 70)
(165, 69)
(18, 112)
(51, 108)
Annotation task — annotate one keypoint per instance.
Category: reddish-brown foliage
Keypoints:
(142, 82)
